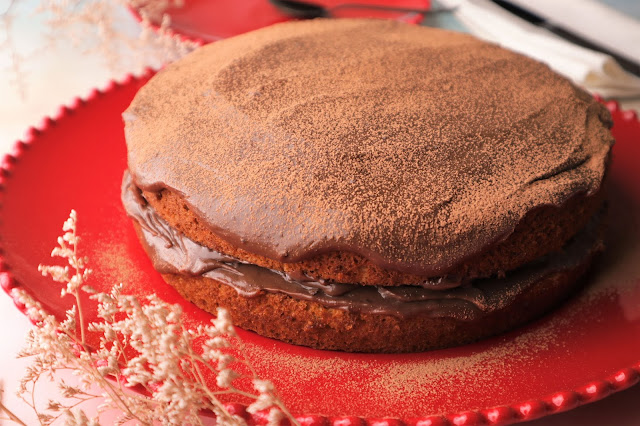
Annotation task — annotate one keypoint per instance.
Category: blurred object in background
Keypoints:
(596, 71)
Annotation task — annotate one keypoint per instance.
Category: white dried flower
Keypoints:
(93, 26)
(226, 377)
(68, 326)
(275, 417)
(70, 223)
(263, 386)
(223, 323)
(263, 402)
(79, 418)
(141, 342)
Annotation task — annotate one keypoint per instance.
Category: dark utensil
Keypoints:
(626, 63)
(311, 10)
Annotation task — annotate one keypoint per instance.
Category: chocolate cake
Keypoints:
(367, 185)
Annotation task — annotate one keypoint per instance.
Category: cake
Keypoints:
(367, 185)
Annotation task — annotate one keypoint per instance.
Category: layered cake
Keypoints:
(366, 185)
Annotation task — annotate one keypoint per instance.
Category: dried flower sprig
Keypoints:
(7, 43)
(143, 344)
(4, 409)
(94, 26)
(68, 249)
(154, 10)
(80, 20)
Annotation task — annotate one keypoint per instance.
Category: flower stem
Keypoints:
(12, 416)
(76, 292)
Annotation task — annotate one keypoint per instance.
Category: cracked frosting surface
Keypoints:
(414, 147)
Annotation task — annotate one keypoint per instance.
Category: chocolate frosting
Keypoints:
(174, 253)
(414, 147)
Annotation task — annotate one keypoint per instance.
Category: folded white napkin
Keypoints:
(593, 21)
(595, 71)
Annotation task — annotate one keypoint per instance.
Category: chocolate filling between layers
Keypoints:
(173, 253)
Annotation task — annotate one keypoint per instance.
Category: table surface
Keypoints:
(75, 74)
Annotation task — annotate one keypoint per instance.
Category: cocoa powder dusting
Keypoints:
(455, 372)
(414, 147)
(116, 265)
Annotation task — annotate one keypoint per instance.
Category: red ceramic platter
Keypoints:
(210, 20)
(583, 351)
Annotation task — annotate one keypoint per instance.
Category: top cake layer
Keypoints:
(416, 148)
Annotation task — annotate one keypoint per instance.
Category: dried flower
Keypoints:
(4, 409)
(142, 343)
(92, 25)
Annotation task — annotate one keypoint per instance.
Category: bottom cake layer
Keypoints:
(306, 323)
(356, 318)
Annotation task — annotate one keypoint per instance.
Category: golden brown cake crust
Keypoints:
(543, 230)
(307, 323)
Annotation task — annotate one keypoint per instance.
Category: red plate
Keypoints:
(582, 352)
(210, 20)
